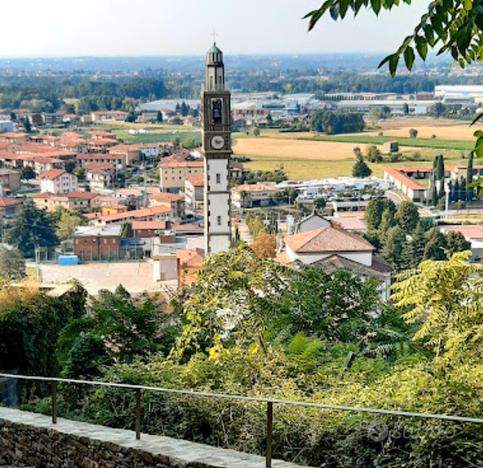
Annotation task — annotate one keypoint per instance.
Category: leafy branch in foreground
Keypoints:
(454, 26)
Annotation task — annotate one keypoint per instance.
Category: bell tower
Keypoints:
(216, 115)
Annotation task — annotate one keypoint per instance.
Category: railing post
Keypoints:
(53, 401)
(138, 414)
(268, 456)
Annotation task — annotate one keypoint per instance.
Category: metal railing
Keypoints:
(270, 402)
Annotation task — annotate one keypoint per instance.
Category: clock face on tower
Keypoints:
(217, 142)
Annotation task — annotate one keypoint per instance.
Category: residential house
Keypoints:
(58, 181)
(336, 248)
(131, 153)
(173, 173)
(117, 160)
(78, 201)
(9, 208)
(100, 175)
(9, 181)
(194, 191)
(253, 195)
(173, 201)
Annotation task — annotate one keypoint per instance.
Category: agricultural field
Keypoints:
(307, 155)
(154, 133)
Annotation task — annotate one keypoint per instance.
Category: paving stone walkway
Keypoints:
(179, 452)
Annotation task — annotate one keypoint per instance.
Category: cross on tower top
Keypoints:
(214, 34)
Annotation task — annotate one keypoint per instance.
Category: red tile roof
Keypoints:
(327, 239)
(190, 258)
(43, 195)
(166, 197)
(5, 202)
(196, 180)
(403, 178)
(148, 225)
(169, 163)
(97, 166)
(52, 174)
(142, 213)
(79, 195)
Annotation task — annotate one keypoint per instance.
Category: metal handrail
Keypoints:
(269, 402)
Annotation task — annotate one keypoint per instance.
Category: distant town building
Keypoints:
(175, 202)
(9, 181)
(194, 191)
(337, 248)
(97, 242)
(58, 181)
(9, 208)
(100, 175)
(253, 195)
(173, 173)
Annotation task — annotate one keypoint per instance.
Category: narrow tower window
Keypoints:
(218, 220)
(218, 178)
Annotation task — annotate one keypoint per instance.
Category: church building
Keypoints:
(216, 138)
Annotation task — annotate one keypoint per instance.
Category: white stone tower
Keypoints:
(216, 115)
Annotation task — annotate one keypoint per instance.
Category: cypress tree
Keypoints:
(462, 188)
(440, 168)
(419, 244)
(387, 222)
(469, 177)
(436, 245)
(434, 193)
(408, 256)
(393, 245)
(456, 191)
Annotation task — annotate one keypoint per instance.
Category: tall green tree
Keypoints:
(360, 168)
(387, 222)
(31, 229)
(435, 248)
(440, 167)
(419, 244)
(456, 242)
(469, 178)
(407, 216)
(393, 246)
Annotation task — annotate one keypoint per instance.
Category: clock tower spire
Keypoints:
(216, 115)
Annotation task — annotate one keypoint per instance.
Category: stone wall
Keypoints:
(31, 440)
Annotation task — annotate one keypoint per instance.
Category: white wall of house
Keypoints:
(64, 184)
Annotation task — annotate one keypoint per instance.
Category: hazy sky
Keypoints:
(169, 27)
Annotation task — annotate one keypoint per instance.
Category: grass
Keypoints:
(435, 143)
(158, 135)
(154, 132)
(303, 169)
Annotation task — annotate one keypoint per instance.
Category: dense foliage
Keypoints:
(337, 122)
(250, 326)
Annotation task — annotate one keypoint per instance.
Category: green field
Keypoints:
(461, 145)
(301, 169)
(153, 136)
(154, 133)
